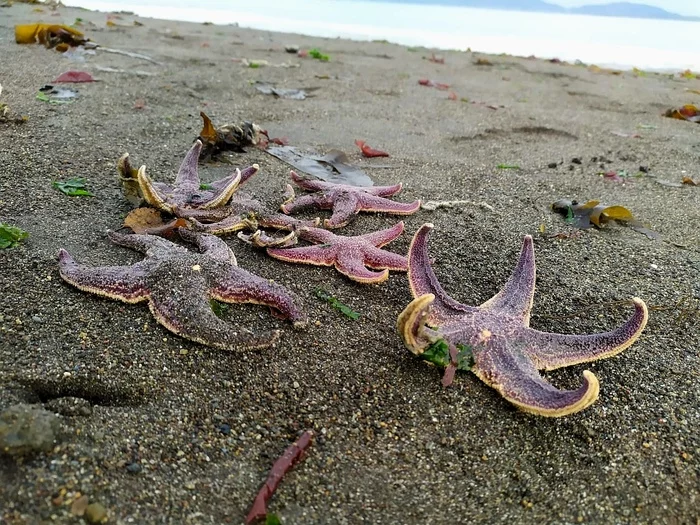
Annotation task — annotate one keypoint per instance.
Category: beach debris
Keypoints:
(368, 151)
(149, 221)
(230, 137)
(334, 166)
(78, 54)
(130, 54)
(494, 340)
(432, 83)
(75, 76)
(74, 187)
(626, 135)
(689, 112)
(690, 182)
(11, 236)
(351, 256)
(292, 455)
(292, 49)
(260, 239)
(27, 430)
(345, 200)
(178, 283)
(592, 213)
(56, 95)
(483, 62)
(255, 63)
(129, 181)
(7, 117)
(688, 74)
(134, 72)
(61, 37)
(436, 59)
(335, 303)
(452, 96)
(269, 89)
(139, 104)
(508, 167)
(316, 53)
(434, 205)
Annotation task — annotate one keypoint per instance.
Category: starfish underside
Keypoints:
(179, 285)
(345, 200)
(187, 192)
(507, 352)
(350, 255)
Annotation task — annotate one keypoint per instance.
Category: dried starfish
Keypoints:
(187, 191)
(349, 255)
(507, 353)
(179, 284)
(345, 200)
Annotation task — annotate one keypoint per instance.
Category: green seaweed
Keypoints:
(11, 235)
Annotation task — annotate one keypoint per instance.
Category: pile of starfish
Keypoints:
(493, 340)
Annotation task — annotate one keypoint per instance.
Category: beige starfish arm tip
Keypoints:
(226, 193)
(150, 194)
(412, 320)
(587, 399)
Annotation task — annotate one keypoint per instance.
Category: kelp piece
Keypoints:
(689, 112)
(62, 37)
(332, 167)
(231, 137)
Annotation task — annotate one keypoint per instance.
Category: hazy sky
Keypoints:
(682, 7)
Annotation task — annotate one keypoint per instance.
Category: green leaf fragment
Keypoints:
(335, 303)
(315, 53)
(508, 167)
(569, 219)
(73, 187)
(205, 186)
(11, 235)
(272, 519)
(218, 307)
(438, 354)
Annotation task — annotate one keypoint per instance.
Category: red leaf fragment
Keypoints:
(75, 76)
(431, 83)
(452, 95)
(284, 464)
(139, 104)
(280, 141)
(613, 176)
(368, 151)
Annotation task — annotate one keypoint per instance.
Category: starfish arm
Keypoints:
(195, 320)
(352, 265)
(380, 204)
(124, 283)
(378, 258)
(309, 184)
(320, 255)
(318, 235)
(246, 173)
(384, 191)
(382, 237)
(283, 222)
(345, 205)
(240, 286)
(422, 279)
(212, 215)
(551, 351)
(151, 193)
(230, 224)
(515, 377)
(141, 243)
(163, 188)
(305, 201)
(411, 324)
(223, 194)
(515, 299)
(209, 245)
(187, 175)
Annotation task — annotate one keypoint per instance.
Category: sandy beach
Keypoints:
(158, 429)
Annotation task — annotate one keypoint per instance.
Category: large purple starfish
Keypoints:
(179, 284)
(349, 255)
(188, 192)
(346, 200)
(507, 354)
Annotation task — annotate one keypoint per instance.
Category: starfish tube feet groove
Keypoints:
(345, 200)
(507, 353)
(179, 284)
(351, 256)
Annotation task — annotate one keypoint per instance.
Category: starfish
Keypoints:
(507, 353)
(345, 200)
(349, 255)
(242, 212)
(187, 191)
(179, 285)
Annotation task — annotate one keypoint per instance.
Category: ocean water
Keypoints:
(605, 41)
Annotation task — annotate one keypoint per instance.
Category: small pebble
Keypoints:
(95, 513)
(134, 468)
(225, 429)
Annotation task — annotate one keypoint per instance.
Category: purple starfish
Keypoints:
(188, 192)
(243, 212)
(507, 353)
(179, 285)
(349, 255)
(345, 200)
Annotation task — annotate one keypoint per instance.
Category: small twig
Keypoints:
(129, 54)
(291, 456)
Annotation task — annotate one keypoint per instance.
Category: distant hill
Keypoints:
(621, 9)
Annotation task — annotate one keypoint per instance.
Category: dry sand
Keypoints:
(392, 445)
